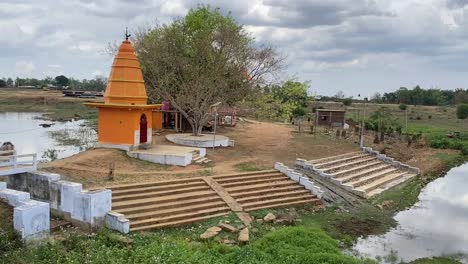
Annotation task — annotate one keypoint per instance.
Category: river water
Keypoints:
(436, 226)
(64, 138)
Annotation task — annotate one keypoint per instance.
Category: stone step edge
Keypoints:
(300, 179)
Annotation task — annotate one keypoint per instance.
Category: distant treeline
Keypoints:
(59, 82)
(415, 96)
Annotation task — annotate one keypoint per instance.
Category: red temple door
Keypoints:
(143, 129)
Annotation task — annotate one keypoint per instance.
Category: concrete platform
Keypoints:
(204, 141)
(168, 155)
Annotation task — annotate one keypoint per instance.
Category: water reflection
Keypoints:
(436, 226)
(25, 132)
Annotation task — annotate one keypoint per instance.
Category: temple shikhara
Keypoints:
(125, 118)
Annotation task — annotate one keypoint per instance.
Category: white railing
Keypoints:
(14, 162)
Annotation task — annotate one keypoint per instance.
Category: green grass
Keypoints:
(287, 245)
(435, 261)
(248, 166)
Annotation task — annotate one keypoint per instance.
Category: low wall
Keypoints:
(299, 178)
(167, 159)
(31, 219)
(205, 141)
(67, 199)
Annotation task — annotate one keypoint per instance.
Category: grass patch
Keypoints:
(435, 261)
(248, 166)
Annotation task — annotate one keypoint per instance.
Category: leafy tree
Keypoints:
(61, 80)
(9, 82)
(403, 107)
(201, 59)
(3, 83)
(347, 101)
(462, 111)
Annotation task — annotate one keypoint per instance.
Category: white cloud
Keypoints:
(24, 67)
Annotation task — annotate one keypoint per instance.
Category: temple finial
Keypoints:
(126, 33)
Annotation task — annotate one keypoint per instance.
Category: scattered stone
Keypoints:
(260, 221)
(244, 235)
(286, 219)
(227, 227)
(239, 227)
(210, 232)
(269, 218)
(254, 230)
(229, 242)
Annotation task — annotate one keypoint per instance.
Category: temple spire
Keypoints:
(126, 34)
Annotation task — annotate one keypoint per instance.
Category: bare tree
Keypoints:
(201, 59)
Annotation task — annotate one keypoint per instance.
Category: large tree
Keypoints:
(201, 59)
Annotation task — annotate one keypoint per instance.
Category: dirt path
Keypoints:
(258, 145)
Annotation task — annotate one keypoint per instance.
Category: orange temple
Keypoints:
(125, 119)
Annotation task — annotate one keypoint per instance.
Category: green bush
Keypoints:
(347, 101)
(402, 107)
(462, 111)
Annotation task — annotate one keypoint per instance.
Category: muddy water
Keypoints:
(436, 226)
(25, 132)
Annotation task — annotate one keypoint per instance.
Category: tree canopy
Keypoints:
(201, 59)
(61, 80)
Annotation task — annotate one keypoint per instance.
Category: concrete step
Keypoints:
(388, 185)
(155, 183)
(348, 165)
(273, 195)
(138, 190)
(250, 177)
(168, 205)
(257, 187)
(373, 177)
(150, 194)
(177, 223)
(342, 160)
(256, 181)
(281, 203)
(202, 160)
(277, 201)
(171, 198)
(369, 165)
(376, 184)
(250, 173)
(176, 210)
(290, 188)
(334, 157)
(350, 177)
(178, 217)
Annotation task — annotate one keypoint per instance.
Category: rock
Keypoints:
(229, 242)
(244, 235)
(210, 232)
(260, 221)
(287, 219)
(254, 230)
(239, 227)
(269, 218)
(227, 227)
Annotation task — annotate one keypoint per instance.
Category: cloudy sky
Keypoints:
(356, 46)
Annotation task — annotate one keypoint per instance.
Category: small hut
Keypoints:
(330, 117)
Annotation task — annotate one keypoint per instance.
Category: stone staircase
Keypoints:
(365, 173)
(265, 189)
(197, 159)
(167, 203)
(178, 202)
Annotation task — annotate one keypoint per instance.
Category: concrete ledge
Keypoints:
(118, 222)
(14, 198)
(32, 219)
(165, 159)
(125, 147)
(204, 141)
(299, 178)
(391, 161)
(92, 207)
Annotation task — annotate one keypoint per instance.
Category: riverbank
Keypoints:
(54, 105)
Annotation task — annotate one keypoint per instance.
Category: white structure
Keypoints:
(299, 178)
(168, 155)
(203, 141)
(10, 164)
(30, 218)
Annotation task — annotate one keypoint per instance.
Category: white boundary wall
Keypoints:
(31, 219)
(66, 198)
(299, 178)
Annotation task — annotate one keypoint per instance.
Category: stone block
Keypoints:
(117, 222)
(92, 207)
(32, 219)
(14, 198)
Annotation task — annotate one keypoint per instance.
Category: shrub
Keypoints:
(347, 101)
(429, 117)
(462, 111)
(402, 107)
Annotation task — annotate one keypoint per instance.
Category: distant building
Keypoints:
(330, 117)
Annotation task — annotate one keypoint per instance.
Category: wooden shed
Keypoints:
(330, 117)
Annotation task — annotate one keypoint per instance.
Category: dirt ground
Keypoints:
(6, 212)
(257, 144)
